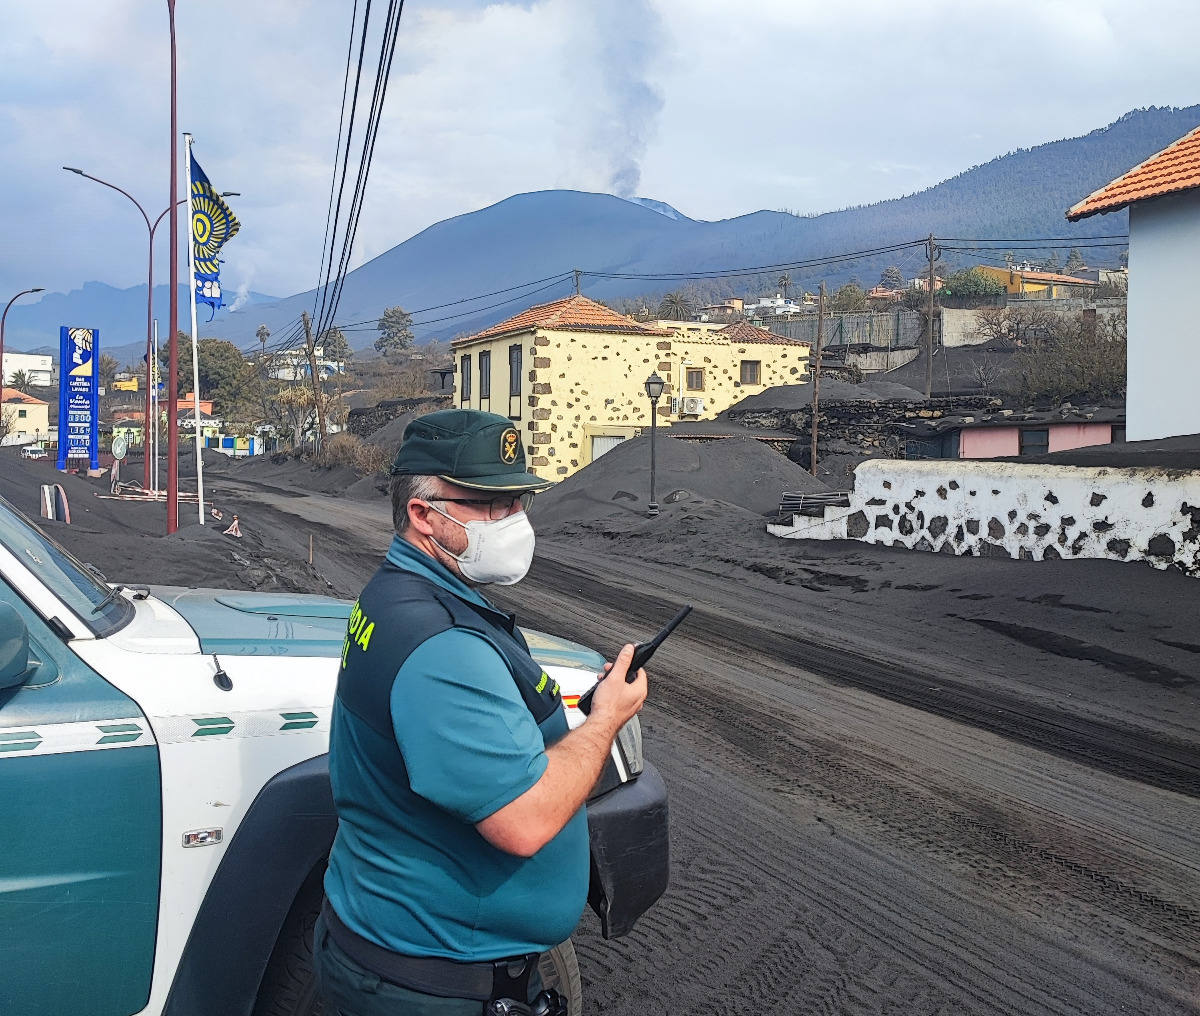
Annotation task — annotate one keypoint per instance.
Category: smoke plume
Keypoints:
(614, 115)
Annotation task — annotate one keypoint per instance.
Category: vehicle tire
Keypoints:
(560, 970)
(289, 986)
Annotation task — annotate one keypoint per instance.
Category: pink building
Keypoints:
(1023, 440)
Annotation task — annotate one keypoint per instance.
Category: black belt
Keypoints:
(434, 975)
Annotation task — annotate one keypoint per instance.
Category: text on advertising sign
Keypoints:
(78, 398)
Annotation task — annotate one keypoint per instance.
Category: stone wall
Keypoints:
(364, 422)
(869, 425)
(1015, 510)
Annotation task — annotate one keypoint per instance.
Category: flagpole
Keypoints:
(195, 337)
(173, 316)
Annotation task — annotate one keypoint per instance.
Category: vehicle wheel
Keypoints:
(560, 970)
(289, 986)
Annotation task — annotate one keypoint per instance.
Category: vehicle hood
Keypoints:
(234, 623)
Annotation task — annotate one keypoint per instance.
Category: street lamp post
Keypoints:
(654, 389)
(151, 227)
(24, 292)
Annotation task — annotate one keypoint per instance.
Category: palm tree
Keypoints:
(20, 381)
(675, 307)
(785, 282)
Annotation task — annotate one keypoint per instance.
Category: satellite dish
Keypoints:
(119, 446)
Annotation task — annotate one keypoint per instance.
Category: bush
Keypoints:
(348, 450)
(1074, 360)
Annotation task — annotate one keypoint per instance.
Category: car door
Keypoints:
(80, 844)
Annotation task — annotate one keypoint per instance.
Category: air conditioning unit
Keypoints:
(693, 407)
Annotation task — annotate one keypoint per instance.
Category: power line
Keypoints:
(466, 299)
(558, 281)
(387, 53)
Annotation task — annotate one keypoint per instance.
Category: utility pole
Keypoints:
(816, 396)
(929, 326)
(310, 347)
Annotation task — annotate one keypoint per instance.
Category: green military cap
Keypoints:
(481, 451)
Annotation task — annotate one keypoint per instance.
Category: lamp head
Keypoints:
(654, 386)
(72, 169)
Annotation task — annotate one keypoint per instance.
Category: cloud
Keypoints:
(784, 104)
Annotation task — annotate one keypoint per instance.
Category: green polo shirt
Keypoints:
(408, 869)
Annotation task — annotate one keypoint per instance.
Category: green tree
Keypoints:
(107, 370)
(892, 278)
(785, 283)
(1074, 260)
(395, 331)
(971, 283)
(334, 345)
(675, 307)
(20, 381)
(262, 334)
(222, 369)
(848, 299)
(1052, 263)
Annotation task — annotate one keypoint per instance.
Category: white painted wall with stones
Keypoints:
(1004, 509)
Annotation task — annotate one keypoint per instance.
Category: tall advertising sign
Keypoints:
(79, 396)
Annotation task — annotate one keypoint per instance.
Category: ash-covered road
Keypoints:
(842, 845)
(872, 814)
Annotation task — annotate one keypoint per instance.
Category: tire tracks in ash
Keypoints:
(915, 902)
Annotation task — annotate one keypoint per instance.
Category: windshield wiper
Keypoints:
(112, 595)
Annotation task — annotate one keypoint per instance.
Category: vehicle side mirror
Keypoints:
(14, 648)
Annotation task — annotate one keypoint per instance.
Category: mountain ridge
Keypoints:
(543, 235)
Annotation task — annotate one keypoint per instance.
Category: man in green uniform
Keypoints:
(462, 844)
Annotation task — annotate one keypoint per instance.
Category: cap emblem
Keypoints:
(510, 446)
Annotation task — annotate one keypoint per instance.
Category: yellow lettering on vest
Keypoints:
(542, 683)
(554, 690)
(364, 639)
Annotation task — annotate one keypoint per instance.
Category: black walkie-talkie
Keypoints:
(641, 656)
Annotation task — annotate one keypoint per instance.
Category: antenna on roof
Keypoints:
(578, 275)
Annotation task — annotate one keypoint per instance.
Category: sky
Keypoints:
(717, 109)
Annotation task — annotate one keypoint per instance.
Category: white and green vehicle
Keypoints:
(165, 783)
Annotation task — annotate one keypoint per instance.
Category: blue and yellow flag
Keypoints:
(213, 225)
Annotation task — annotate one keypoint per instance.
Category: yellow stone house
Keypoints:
(1038, 285)
(26, 419)
(571, 373)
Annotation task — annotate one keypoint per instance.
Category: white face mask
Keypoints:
(497, 552)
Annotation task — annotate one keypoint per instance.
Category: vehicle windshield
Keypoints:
(63, 574)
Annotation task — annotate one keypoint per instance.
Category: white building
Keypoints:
(292, 365)
(38, 367)
(1163, 197)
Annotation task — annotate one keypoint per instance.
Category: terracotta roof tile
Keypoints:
(1054, 277)
(1176, 168)
(741, 331)
(574, 314)
(16, 395)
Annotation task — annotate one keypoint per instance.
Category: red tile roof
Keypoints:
(15, 395)
(1176, 168)
(574, 314)
(1053, 277)
(741, 331)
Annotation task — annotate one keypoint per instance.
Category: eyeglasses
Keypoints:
(500, 507)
